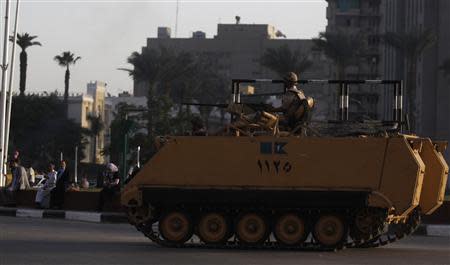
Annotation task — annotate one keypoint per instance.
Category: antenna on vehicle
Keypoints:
(407, 123)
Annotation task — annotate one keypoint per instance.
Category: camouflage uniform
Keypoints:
(294, 105)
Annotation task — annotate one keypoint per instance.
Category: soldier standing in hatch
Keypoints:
(294, 104)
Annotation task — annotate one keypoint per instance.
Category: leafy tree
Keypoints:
(411, 45)
(282, 60)
(96, 126)
(40, 131)
(204, 84)
(344, 49)
(24, 41)
(66, 59)
(121, 124)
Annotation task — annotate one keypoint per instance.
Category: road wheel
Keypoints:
(367, 225)
(213, 228)
(139, 214)
(175, 227)
(329, 230)
(290, 229)
(252, 228)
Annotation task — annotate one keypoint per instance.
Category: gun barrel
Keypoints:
(219, 105)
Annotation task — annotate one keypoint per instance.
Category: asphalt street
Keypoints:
(46, 241)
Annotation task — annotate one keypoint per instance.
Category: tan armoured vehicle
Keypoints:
(353, 184)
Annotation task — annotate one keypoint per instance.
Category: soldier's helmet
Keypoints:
(290, 78)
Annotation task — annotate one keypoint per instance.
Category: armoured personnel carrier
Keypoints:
(257, 184)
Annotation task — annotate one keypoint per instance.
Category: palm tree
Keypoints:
(24, 41)
(145, 71)
(161, 67)
(66, 59)
(95, 128)
(411, 45)
(342, 48)
(283, 60)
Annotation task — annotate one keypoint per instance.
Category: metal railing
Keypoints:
(343, 92)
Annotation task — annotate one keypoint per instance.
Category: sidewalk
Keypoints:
(110, 217)
(94, 217)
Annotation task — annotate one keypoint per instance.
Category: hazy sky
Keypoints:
(104, 33)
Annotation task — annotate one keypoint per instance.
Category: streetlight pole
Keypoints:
(11, 81)
(76, 165)
(4, 67)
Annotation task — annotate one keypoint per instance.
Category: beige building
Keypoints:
(90, 104)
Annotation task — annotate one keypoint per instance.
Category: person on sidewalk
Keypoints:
(111, 185)
(62, 183)
(43, 194)
(19, 182)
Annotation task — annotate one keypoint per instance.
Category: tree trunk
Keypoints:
(23, 72)
(66, 90)
(150, 107)
(340, 71)
(94, 151)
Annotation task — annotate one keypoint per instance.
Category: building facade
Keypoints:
(363, 19)
(81, 108)
(404, 16)
(433, 93)
(96, 103)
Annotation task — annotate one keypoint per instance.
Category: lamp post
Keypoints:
(11, 82)
(76, 165)
(4, 67)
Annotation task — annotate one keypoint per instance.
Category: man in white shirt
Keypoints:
(43, 194)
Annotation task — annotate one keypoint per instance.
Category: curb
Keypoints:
(92, 217)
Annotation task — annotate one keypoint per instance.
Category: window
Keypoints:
(349, 22)
(345, 5)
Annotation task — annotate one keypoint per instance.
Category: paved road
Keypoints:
(45, 241)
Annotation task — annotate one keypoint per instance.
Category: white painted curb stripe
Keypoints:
(83, 216)
(29, 213)
(438, 230)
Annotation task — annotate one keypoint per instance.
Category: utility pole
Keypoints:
(11, 81)
(4, 68)
(176, 19)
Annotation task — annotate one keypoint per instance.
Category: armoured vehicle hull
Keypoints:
(309, 192)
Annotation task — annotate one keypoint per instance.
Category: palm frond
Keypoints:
(26, 40)
(37, 43)
(283, 60)
(66, 58)
(343, 48)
